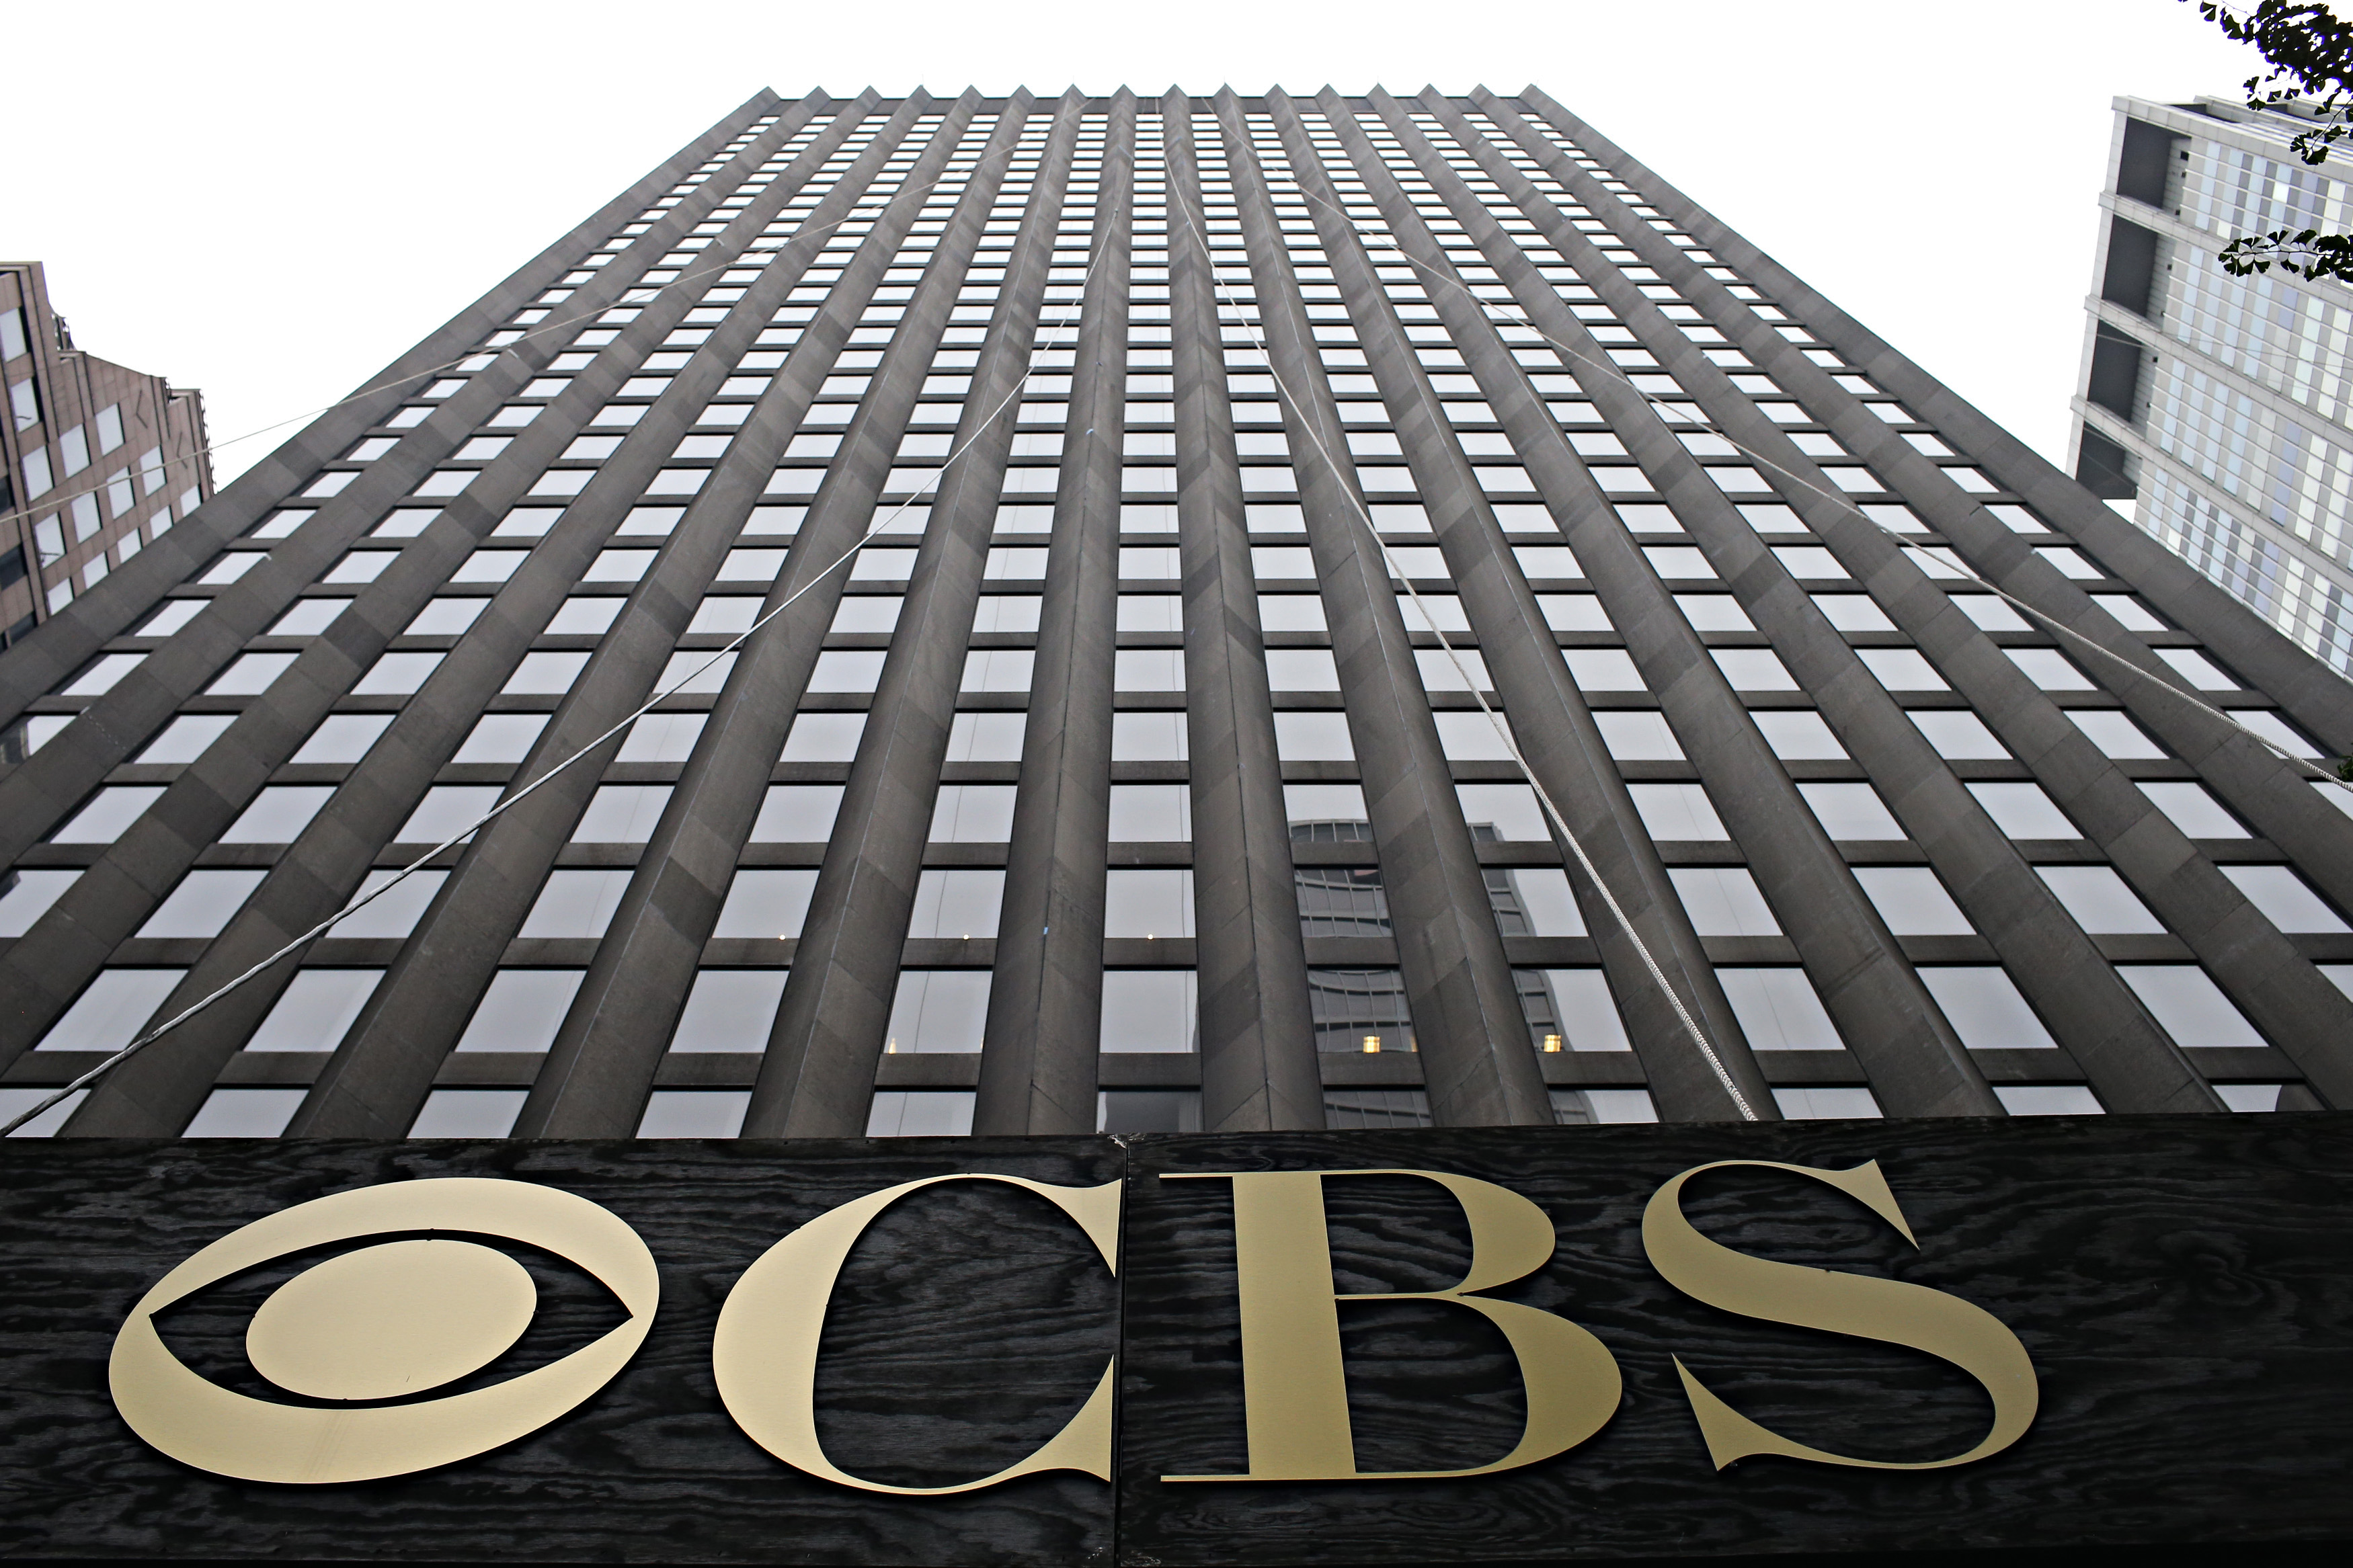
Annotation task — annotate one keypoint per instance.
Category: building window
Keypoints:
(316, 1009)
(2047, 1100)
(2190, 1006)
(824, 738)
(1155, 1010)
(109, 1013)
(1570, 1010)
(1813, 1104)
(1779, 1010)
(730, 1010)
(396, 912)
(522, 1010)
(955, 906)
(1148, 1110)
(1150, 904)
(110, 812)
(1584, 1107)
(938, 1010)
(1359, 1010)
(468, 1113)
(694, 1113)
(765, 904)
(245, 1113)
(1353, 1109)
(202, 904)
(920, 1113)
(576, 904)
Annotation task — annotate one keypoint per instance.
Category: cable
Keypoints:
(1068, 321)
(1495, 308)
(1502, 731)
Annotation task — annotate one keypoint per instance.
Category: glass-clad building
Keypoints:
(1038, 614)
(2218, 410)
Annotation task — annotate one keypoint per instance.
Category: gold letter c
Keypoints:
(764, 1353)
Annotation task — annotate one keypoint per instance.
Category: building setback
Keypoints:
(2219, 405)
(101, 459)
(1224, 455)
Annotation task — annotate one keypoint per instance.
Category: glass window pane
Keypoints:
(957, 906)
(770, 904)
(522, 1010)
(622, 813)
(1464, 737)
(796, 813)
(974, 814)
(1148, 1110)
(824, 738)
(2193, 810)
(186, 737)
(202, 904)
(2117, 735)
(1812, 1104)
(1155, 903)
(2286, 900)
(1798, 735)
(920, 1113)
(1912, 901)
(995, 737)
(1986, 1009)
(446, 811)
(110, 1014)
(1583, 1106)
(1359, 1010)
(502, 738)
(2024, 811)
(1150, 1010)
(1502, 813)
(2047, 1100)
(730, 1010)
(1958, 735)
(1638, 735)
(662, 738)
(1674, 812)
(109, 813)
(245, 1113)
(1155, 737)
(1779, 1010)
(1154, 814)
(394, 914)
(2100, 901)
(25, 897)
(1850, 811)
(2192, 1007)
(1351, 1109)
(1534, 901)
(577, 903)
(468, 1113)
(1570, 1009)
(1301, 669)
(315, 1010)
(938, 1010)
(694, 1113)
(278, 815)
(1723, 900)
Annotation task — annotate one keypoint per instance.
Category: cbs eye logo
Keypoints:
(397, 1318)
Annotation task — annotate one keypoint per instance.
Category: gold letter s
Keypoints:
(764, 1353)
(1294, 1387)
(1887, 1310)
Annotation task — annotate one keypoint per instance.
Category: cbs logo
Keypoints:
(405, 1317)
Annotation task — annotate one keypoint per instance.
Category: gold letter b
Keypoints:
(1294, 1387)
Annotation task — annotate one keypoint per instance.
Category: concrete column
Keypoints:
(1045, 1000)
(1259, 1067)
(1470, 1030)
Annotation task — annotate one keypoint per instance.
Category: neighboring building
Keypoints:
(2219, 408)
(1118, 783)
(101, 459)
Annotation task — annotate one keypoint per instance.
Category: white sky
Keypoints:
(272, 202)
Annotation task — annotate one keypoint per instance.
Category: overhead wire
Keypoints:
(1068, 321)
(1309, 423)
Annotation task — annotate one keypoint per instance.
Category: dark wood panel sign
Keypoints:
(1470, 1347)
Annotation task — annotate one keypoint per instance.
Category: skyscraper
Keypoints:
(1082, 611)
(101, 459)
(2217, 405)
